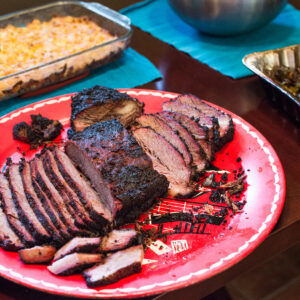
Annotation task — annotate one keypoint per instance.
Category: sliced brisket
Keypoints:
(25, 213)
(74, 263)
(78, 244)
(120, 239)
(82, 218)
(12, 214)
(166, 160)
(37, 205)
(86, 194)
(162, 128)
(37, 255)
(50, 207)
(8, 239)
(226, 127)
(101, 103)
(120, 171)
(197, 153)
(64, 210)
(202, 119)
(115, 267)
(198, 132)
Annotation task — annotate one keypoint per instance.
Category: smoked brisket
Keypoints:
(118, 168)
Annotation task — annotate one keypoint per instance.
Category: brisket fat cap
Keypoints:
(226, 126)
(101, 103)
(116, 164)
(166, 160)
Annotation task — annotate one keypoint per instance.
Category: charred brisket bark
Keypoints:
(120, 171)
(101, 103)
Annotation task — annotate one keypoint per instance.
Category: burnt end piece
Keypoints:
(101, 103)
(119, 265)
(37, 254)
(118, 168)
(74, 263)
(226, 126)
(120, 239)
(78, 244)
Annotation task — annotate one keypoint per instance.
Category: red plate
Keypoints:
(196, 251)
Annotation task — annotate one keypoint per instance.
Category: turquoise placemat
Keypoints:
(131, 70)
(223, 54)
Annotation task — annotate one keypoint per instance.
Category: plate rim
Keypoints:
(194, 278)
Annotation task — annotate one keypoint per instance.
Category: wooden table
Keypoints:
(245, 97)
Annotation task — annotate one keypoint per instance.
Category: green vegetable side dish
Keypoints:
(288, 78)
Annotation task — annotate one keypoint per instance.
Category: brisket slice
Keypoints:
(162, 128)
(8, 239)
(198, 132)
(226, 126)
(196, 151)
(118, 265)
(12, 214)
(78, 244)
(118, 168)
(37, 205)
(120, 239)
(37, 255)
(166, 160)
(50, 207)
(101, 103)
(82, 218)
(74, 263)
(211, 123)
(25, 213)
(65, 212)
(86, 194)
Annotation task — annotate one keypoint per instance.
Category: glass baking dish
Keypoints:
(72, 65)
(262, 64)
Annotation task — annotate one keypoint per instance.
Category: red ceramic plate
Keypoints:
(193, 251)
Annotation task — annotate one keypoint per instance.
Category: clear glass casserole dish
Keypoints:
(63, 68)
